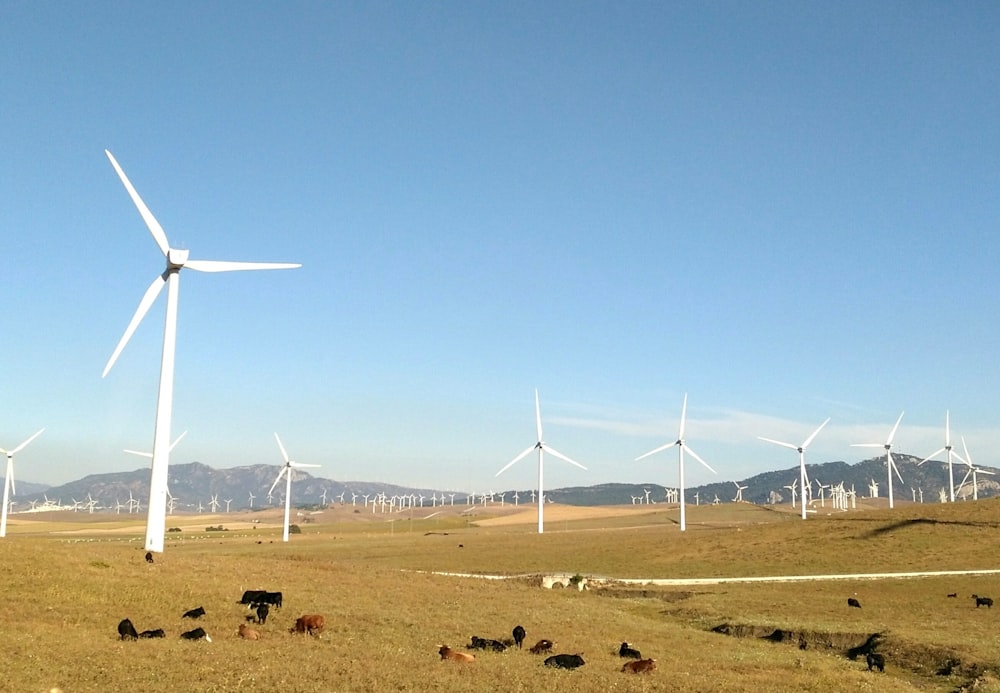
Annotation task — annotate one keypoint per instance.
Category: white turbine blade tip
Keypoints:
(556, 453)
(227, 266)
(659, 449)
(778, 442)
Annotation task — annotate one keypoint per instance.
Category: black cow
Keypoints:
(196, 634)
(565, 661)
(875, 661)
(477, 643)
(953, 594)
(983, 601)
(158, 633)
(262, 611)
(149, 557)
(126, 631)
(851, 601)
(251, 596)
(194, 613)
(626, 651)
(518, 634)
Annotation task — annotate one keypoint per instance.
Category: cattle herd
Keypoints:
(544, 646)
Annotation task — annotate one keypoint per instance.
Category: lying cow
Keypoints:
(126, 631)
(312, 624)
(640, 666)
(851, 601)
(626, 650)
(541, 646)
(448, 653)
(875, 661)
(477, 643)
(194, 613)
(158, 633)
(565, 661)
(248, 633)
(196, 634)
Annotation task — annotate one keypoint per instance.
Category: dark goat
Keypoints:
(875, 661)
(518, 634)
(565, 661)
(626, 651)
(126, 631)
(851, 601)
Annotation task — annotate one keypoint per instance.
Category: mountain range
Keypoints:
(195, 484)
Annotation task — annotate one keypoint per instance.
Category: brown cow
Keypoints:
(455, 656)
(541, 646)
(248, 633)
(640, 666)
(309, 623)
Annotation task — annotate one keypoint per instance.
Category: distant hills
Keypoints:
(195, 484)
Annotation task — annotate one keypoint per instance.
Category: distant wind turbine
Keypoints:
(802, 461)
(176, 260)
(947, 448)
(287, 471)
(681, 447)
(973, 471)
(8, 484)
(542, 447)
(890, 465)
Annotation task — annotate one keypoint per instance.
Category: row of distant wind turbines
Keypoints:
(178, 259)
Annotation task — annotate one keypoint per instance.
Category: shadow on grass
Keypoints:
(903, 524)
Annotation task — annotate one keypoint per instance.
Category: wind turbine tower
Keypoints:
(286, 469)
(541, 446)
(947, 448)
(681, 447)
(176, 260)
(8, 484)
(890, 465)
(803, 479)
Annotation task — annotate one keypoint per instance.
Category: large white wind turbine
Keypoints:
(286, 469)
(973, 471)
(681, 447)
(542, 447)
(947, 448)
(177, 259)
(890, 465)
(802, 458)
(8, 484)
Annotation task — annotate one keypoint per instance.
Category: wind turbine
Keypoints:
(541, 446)
(739, 493)
(681, 446)
(802, 461)
(176, 259)
(8, 484)
(973, 470)
(946, 448)
(287, 471)
(890, 465)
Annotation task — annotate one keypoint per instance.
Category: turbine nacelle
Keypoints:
(177, 258)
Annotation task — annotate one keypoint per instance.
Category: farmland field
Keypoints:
(69, 578)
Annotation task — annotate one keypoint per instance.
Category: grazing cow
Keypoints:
(262, 612)
(126, 631)
(194, 613)
(312, 624)
(983, 601)
(851, 601)
(875, 661)
(565, 661)
(448, 653)
(640, 666)
(248, 633)
(158, 633)
(518, 634)
(626, 651)
(149, 557)
(251, 597)
(541, 646)
(196, 634)
(272, 598)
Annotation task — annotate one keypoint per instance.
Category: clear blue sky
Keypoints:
(788, 210)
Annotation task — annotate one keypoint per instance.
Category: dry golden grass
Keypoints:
(69, 580)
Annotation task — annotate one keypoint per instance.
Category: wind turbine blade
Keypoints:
(284, 455)
(947, 429)
(147, 300)
(965, 449)
(888, 455)
(151, 223)
(299, 465)
(23, 445)
(814, 434)
(985, 471)
(516, 460)
(140, 454)
(778, 442)
(867, 445)
(653, 452)
(556, 453)
(276, 480)
(225, 266)
(179, 439)
(892, 434)
(684, 408)
(695, 455)
(538, 416)
(966, 477)
(936, 452)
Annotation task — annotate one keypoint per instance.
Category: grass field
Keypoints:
(69, 578)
